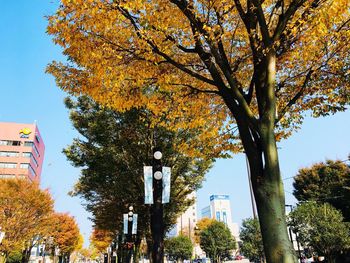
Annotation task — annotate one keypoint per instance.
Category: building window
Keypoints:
(224, 217)
(10, 143)
(7, 176)
(37, 138)
(24, 165)
(32, 170)
(8, 165)
(27, 154)
(8, 154)
(36, 151)
(28, 143)
(218, 216)
(34, 161)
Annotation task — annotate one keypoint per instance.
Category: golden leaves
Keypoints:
(145, 54)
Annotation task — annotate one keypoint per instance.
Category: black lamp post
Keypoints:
(157, 193)
(157, 223)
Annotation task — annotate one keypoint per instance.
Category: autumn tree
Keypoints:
(200, 226)
(247, 66)
(325, 182)
(66, 235)
(321, 227)
(112, 151)
(252, 245)
(101, 239)
(25, 216)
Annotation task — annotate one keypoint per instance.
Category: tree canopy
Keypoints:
(25, 214)
(217, 241)
(252, 245)
(112, 152)
(66, 235)
(321, 227)
(325, 182)
(179, 248)
(134, 54)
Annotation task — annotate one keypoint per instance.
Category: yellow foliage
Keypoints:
(186, 64)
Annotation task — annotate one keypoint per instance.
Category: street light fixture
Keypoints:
(157, 193)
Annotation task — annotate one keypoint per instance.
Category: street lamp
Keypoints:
(157, 193)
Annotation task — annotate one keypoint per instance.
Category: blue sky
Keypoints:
(28, 95)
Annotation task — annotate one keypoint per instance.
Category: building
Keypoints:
(220, 210)
(187, 221)
(21, 151)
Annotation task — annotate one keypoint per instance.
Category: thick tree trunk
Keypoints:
(259, 143)
(269, 197)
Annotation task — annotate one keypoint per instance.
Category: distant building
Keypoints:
(187, 221)
(21, 151)
(220, 210)
(205, 212)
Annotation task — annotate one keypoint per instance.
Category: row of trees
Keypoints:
(243, 73)
(321, 219)
(28, 219)
(213, 237)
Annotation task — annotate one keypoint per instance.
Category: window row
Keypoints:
(8, 154)
(12, 176)
(14, 165)
(16, 143)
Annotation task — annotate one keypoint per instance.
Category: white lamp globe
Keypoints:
(130, 219)
(158, 175)
(157, 155)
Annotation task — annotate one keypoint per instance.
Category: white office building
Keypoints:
(220, 210)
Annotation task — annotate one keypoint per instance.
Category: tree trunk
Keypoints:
(259, 143)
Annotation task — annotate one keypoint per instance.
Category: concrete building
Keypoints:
(21, 151)
(220, 210)
(186, 222)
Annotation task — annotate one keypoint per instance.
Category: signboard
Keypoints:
(134, 224)
(148, 179)
(24, 133)
(219, 197)
(166, 185)
(125, 220)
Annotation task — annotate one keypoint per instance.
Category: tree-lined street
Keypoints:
(158, 92)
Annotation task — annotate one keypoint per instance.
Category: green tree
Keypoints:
(325, 182)
(321, 227)
(252, 245)
(179, 248)
(217, 241)
(112, 151)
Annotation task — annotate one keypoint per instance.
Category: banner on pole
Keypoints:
(125, 220)
(134, 224)
(166, 185)
(148, 179)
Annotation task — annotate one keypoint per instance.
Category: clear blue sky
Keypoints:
(28, 95)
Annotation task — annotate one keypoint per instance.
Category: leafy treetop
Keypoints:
(188, 57)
